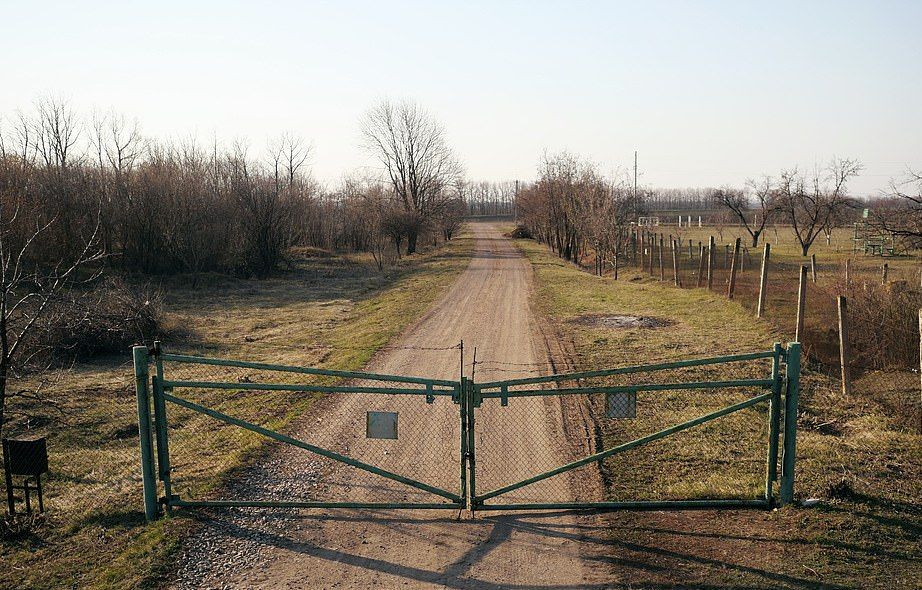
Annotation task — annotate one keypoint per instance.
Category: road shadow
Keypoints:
(628, 562)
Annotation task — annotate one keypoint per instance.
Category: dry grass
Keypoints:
(329, 311)
(882, 318)
(854, 453)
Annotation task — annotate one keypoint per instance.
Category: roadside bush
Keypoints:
(883, 323)
(521, 232)
(107, 319)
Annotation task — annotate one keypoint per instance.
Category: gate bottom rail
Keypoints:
(175, 501)
(632, 505)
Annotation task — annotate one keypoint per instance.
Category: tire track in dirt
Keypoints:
(487, 307)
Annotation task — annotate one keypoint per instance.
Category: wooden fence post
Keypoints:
(700, 280)
(643, 251)
(662, 269)
(639, 251)
(710, 263)
(848, 273)
(651, 243)
(813, 267)
(883, 274)
(844, 353)
(801, 303)
(763, 279)
(736, 254)
(675, 263)
(634, 247)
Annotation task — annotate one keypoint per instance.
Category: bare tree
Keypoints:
(571, 206)
(56, 131)
(119, 147)
(28, 289)
(753, 212)
(421, 167)
(266, 210)
(811, 205)
(450, 217)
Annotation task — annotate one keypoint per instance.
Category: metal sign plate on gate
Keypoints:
(621, 405)
(381, 425)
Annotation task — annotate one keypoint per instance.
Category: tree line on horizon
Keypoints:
(576, 210)
(87, 202)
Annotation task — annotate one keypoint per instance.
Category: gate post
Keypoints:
(469, 394)
(462, 402)
(790, 423)
(161, 430)
(774, 422)
(141, 376)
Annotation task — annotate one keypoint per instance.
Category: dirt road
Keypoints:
(488, 307)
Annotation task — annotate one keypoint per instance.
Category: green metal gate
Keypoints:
(211, 417)
(208, 426)
(697, 433)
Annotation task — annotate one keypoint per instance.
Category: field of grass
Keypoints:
(860, 459)
(882, 318)
(904, 273)
(329, 311)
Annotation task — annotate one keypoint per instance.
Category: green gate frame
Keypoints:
(776, 384)
(782, 396)
(160, 391)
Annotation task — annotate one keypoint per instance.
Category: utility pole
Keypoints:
(515, 204)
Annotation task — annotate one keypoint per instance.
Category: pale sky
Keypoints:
(709, 93)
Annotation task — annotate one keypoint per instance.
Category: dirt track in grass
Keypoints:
(488, 308)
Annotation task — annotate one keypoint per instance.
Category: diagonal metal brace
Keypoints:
(627, 446)
(309, 447)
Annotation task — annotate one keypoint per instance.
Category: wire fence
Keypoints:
(884, 298)
(92, 446)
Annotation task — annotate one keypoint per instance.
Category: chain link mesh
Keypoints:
(204, 450)
(92, 448)
(532, 435)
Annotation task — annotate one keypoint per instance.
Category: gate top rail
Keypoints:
(201, 360)
(762, 383)
(631, 369)
(306, 388)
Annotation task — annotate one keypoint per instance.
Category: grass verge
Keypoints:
(858, 458)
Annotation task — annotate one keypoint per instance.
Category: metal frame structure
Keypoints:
(781, 390)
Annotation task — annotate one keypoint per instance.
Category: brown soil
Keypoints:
(621, 321)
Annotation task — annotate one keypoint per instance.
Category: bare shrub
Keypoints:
(107, 319)
(883, 323)
(521, 232)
